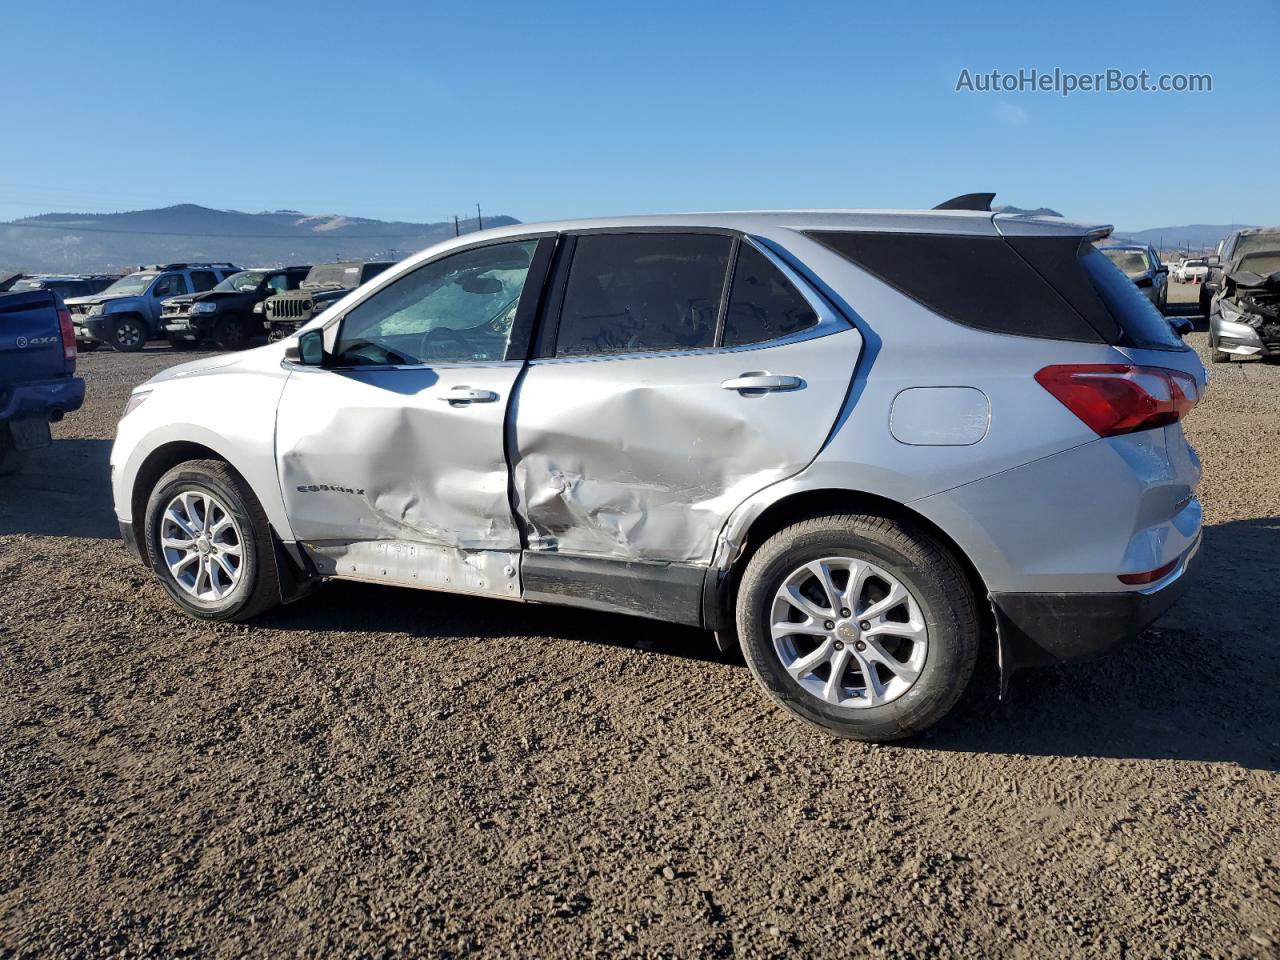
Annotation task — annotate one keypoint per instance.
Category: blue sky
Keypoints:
(416, 110)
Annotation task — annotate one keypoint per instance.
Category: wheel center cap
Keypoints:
(846, 630)
(203, 544)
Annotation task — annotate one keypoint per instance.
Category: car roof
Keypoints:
(750, 221)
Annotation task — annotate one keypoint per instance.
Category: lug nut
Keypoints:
(844, 611)
(830, 624)
(865, 625)
(860, 645)
(839, 645)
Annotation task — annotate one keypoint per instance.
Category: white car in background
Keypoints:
(1193, 271)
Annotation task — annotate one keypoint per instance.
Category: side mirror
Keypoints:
(307, 349)
(1163, 268)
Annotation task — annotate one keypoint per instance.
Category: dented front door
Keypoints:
(391, 459)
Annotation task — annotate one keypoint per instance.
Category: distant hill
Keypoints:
(1193, 236)
(83, 242)
(1037, 212)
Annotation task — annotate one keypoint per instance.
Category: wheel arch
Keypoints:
(156, 464)
(721, 595)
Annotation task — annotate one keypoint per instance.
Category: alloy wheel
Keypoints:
(848, 632)
(202, 545)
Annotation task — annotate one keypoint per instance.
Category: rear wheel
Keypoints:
(860, 625)
(128, 334)
(210, 544)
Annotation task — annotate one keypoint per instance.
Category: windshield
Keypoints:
(134, 283)
(31, 283)
(344, 276)
(1197, 263)
(1265, 263)
(1132, 262)
(1253, 242)
(246, 281)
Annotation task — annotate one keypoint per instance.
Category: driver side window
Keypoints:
(455, 310)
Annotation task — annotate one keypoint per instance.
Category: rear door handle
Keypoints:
(468, 395)
(762, 383)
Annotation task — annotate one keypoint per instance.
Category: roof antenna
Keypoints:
(969, 201)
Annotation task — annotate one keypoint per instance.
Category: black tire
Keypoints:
(127, 334)
(230, 333)
(11, 459)
(928, 571)
(257, 589)
(87, 346)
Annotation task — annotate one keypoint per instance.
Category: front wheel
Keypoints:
(860, 625)
(1216, 355)
(230, 334)
(128, 334)
(209, 542)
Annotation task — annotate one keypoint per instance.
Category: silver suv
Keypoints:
(851, 442)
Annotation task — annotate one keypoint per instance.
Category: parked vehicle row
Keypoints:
(832, 437)
(65, 285)
(225, 315)
(126, 314)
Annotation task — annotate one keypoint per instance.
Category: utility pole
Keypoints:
(479, 221)
(457, 232)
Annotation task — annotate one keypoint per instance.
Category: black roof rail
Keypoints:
(189, 266)
(968, 201)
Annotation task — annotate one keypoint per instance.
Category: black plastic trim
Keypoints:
(1037, 629)
(671, 592)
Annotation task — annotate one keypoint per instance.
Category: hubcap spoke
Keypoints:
(202, 545)
(825, 649)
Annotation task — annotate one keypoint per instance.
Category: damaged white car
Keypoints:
(852, 442)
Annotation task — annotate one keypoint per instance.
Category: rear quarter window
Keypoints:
(979, 282)
(1141, 322)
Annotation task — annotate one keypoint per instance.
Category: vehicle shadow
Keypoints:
(361, 607)
(1200, 685)
(63, 490)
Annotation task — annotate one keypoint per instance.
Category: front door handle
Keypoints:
(755, 383)
(468, 395)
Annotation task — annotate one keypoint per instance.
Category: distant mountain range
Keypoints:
(85, 242)
(1191, 236)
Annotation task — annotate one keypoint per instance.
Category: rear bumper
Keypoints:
(44, 399)
(1043, 628)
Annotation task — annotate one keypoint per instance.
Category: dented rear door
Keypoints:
(391, 457)
(641, 432)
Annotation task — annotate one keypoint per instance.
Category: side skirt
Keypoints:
(661, 591)
(490, 573)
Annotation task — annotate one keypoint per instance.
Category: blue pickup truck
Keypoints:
(38, 385)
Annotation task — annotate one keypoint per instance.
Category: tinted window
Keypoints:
(630, 293)
(170, 285)
(763, 305)
(980, 282)
(1142, 323)
(203, 280)
(459, 309)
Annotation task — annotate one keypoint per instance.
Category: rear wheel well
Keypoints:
(811, 503)
(159, 462)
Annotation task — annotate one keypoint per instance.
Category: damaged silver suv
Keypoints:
(852, 442)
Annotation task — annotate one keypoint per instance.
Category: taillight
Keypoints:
(1151, 576)
(1114, 398)
(68, 333)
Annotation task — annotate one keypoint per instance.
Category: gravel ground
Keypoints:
(373, 771)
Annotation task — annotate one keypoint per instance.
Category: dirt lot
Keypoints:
(374, 771)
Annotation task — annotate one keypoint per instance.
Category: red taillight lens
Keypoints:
(68, 333)
(1115, 398)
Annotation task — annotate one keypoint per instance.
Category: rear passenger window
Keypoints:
(763, 305)
(630, 293)
(203, 280)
